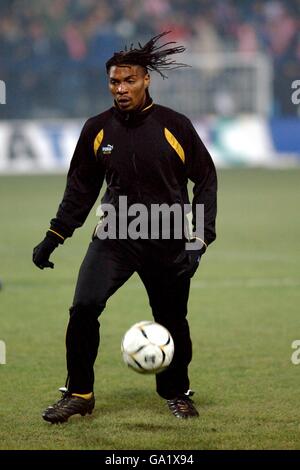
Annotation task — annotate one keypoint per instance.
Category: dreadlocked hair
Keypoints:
(150, 56)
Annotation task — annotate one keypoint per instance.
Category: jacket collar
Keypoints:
(134, 117)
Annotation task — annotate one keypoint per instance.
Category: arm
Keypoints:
(84, 181)
(201, 171)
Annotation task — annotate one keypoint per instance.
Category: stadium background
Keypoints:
(244, 306)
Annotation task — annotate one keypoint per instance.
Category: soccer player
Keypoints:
(146, 152)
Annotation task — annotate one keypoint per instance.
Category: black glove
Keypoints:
(42, 252)
(193, 257)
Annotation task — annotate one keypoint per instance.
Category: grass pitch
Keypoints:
(243, 313)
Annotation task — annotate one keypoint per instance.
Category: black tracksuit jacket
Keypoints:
(148, 156)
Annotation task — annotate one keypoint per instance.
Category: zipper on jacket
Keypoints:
(136, 173)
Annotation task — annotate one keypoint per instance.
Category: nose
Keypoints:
(121, 88)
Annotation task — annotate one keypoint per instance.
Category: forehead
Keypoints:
(122, 71)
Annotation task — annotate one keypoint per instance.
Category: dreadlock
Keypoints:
(150, 56)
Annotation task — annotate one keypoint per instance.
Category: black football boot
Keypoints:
(182, 406)
(67, 406)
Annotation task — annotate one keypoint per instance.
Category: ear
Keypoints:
(147, 80)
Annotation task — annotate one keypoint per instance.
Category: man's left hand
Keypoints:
(194, 254)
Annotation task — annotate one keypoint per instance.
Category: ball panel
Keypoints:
(132, 363)
(134, 340)
(150, 357)
(156, 333)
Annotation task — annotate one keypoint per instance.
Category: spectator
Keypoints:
(42, 41)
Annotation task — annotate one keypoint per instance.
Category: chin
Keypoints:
(125, 107)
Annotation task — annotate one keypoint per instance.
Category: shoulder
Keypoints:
(95, 124)
(169, 116)
(92, 131)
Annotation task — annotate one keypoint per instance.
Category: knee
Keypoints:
(85, 311)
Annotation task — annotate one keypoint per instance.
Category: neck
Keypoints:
(142, 105)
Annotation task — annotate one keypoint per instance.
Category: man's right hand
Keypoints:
(42, 252)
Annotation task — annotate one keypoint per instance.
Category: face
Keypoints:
(128, 85)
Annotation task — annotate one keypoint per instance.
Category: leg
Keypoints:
(168, 296)
(106, 266)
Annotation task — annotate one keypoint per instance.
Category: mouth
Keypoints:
(123, 102)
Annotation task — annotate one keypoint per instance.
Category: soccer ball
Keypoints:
(147, 347)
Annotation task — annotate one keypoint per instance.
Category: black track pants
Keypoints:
(107, 265)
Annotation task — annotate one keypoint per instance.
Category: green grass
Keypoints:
(243, 312)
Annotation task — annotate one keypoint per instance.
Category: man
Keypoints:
(147, 153)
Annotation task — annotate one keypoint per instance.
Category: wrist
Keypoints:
(199, 241)
(55, 237)
(196, 245)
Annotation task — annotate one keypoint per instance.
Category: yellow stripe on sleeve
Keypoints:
(175, 144)
(98, 140)
(58, 234)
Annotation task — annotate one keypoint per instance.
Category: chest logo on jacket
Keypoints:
(107, 149)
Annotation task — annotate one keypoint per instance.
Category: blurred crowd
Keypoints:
(53, 51)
